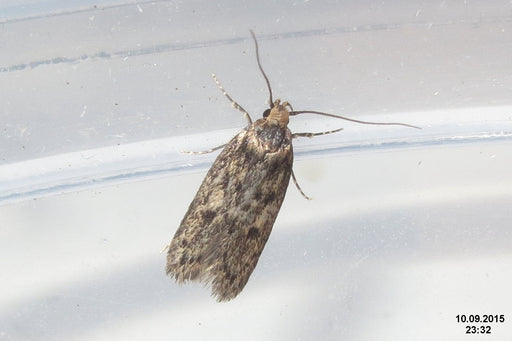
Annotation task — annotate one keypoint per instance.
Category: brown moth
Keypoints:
(224, 231)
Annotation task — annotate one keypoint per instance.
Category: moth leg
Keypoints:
(309, 135)
(205, 151)
(315, 134)
(233, 103)
(298, 187)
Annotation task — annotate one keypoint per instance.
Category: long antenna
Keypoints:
(261, 69)
(293, 113)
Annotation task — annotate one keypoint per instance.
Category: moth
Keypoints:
(224, 231)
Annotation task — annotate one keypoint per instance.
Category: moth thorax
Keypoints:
(279, 113)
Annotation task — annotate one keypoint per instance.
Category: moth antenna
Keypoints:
(293, 113)
(261, 69)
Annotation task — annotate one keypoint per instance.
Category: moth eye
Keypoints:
(266, 113)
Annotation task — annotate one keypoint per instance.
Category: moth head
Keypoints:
(278, 113)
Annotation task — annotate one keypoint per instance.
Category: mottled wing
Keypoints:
(230, 219)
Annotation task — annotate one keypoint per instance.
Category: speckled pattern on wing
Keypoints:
(225, 229)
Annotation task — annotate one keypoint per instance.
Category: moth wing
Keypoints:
(225, 229)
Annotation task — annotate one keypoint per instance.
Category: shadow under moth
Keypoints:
(224, 231)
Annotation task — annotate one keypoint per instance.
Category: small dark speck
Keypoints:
(253, 233)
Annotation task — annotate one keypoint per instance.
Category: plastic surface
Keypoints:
(406, 228)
